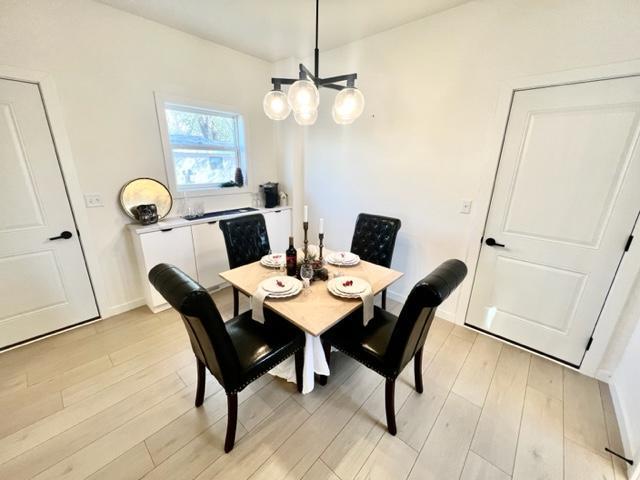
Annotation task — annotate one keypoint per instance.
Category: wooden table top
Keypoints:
(319, 310)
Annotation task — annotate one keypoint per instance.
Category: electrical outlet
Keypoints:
(465, 207)
(92, 200)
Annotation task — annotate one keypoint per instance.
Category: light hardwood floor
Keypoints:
(114, 400)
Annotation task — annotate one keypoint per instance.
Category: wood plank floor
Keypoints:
(114, 400)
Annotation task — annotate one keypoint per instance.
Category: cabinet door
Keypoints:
(170, 246)
(279, 228)
(211, 254)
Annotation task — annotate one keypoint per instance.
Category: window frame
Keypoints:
(164, 101)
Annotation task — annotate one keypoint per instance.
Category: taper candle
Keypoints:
(306, 213)
(321, 225)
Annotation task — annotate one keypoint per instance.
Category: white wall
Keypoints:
(431, 88)
(106, 65)
(625, 388)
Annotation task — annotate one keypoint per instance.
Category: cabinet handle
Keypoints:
(166, 229)
(277, 211)
(213, 222)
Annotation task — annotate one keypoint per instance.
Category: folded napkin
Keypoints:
(367, 305)
(257, 304)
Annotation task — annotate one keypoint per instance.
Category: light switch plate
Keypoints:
(92, 200)
(465, 206)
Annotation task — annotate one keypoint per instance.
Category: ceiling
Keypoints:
(278, 29)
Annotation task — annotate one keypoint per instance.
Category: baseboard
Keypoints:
(443, 314)
(395, 296)
(123, 307)
(623, 425)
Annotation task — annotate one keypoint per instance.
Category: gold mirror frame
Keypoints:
(142, 191)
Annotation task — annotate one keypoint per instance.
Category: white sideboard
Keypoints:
(196, 247)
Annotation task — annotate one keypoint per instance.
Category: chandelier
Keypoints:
(303, 97)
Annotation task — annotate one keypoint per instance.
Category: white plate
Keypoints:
(331, 286)
(294, 291)
(279, 284)
(357, 285)
(338, 261)
(344, 257)
(273, 260)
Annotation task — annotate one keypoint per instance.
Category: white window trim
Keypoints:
(190, 103)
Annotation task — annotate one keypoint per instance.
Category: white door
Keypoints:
(565, 201)
(44, 283)
(211, 253)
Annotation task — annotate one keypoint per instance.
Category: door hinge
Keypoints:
(628, 245)
(589, 343)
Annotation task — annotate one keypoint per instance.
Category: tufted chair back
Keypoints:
(418, 311)
(374, 238)
(246, 239)
(208, 336)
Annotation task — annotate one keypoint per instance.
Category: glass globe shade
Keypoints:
(303, 96)
(340, 120)
(348, 105)
(306, 118)
(275, 105)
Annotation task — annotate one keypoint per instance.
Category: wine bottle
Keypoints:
(292, 259)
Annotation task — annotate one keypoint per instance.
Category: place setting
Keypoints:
(276, 287)
(349, 287)
(343, 259)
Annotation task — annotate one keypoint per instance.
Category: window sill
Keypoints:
(213, 192)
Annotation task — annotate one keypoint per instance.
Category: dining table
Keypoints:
(314, 310)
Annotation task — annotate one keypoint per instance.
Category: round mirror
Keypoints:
(143, 191)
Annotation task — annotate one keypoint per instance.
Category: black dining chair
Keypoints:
(388, 343)
(236, 352)
(374, 240)
(247, 241)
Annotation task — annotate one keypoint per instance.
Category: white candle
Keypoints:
(322, 225)
(306, 213)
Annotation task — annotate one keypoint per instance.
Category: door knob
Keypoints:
(492, 242)
(66, 235)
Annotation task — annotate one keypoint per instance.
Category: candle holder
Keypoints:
(305, 226)
(320, 272)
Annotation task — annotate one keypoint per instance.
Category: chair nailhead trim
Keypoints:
(253, 379)
(366, 364)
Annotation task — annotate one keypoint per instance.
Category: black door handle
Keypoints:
(66, 235)
(492, 242)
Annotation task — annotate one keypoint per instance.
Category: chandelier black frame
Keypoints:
(305, 74)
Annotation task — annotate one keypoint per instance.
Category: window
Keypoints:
(204, 147)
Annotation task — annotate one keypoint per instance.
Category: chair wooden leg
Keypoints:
(384, 299)
(389, 394)
(299, 359)
(417, 366)
(327, 354)
(236, 302)
(201, 383)
(232, 420)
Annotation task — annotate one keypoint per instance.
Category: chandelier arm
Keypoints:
(277, 82)
(305, 73)
(333, 86)
(351, 77)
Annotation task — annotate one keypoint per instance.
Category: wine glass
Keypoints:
(306, 273)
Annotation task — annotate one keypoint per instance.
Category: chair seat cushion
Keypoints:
(366, 344)
(260, 347)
